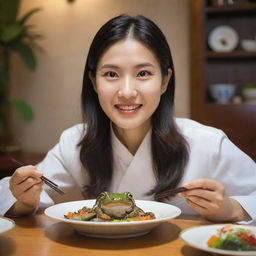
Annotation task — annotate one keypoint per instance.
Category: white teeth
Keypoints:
(128, 108)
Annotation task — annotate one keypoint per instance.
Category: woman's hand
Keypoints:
(26, 187)
(207, 197)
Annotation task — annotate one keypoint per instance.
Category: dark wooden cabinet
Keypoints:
(237, 120)
(7, 166)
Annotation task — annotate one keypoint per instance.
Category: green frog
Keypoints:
(111, 206)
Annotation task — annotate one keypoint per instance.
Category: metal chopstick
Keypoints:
(48, 182)
(170, 192)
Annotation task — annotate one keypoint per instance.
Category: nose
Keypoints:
(127, 89)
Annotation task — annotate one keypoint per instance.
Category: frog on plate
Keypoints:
(112, 207)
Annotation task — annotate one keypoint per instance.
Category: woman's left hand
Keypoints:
(207, 197)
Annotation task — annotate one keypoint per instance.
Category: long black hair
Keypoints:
(169, 148)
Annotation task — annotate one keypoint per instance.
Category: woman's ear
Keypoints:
(93, 80)
(166, 80)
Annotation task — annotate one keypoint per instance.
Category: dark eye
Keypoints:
(143, 73)
(111, 74)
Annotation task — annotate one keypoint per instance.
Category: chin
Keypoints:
(132, 125)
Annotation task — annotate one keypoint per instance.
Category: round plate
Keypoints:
(223, 39)
(162, 211)
(6, 224)
(198, 236)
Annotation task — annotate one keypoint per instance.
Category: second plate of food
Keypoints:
(198, 237)
(107, 229)
(6, 224)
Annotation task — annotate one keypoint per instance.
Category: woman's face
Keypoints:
(129, 84)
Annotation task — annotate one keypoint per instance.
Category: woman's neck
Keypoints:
(131, 139)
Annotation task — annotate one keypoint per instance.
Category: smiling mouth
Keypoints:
(128, 107)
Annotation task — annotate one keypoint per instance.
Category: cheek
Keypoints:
(105, 94)
(152, 89)
(154, 97)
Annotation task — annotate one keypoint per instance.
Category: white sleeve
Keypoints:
(237, 172)
(61, 165)
(6, 197)
(67, 176)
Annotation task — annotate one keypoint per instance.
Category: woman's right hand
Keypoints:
(26, 186)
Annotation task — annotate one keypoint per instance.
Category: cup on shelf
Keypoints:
(223, 93)
(248, 45)
(249, 94)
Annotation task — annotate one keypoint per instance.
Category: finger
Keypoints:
(198, 208)
(207, 184)
(202, 202)
(26, 185)
(205, 194)
(31, 197)
(206, 207)
(30, 191)
(24, 172)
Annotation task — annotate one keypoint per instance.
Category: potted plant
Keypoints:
(249, 93)
(16, 36)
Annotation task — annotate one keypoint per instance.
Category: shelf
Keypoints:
(240, 107)
(231, 55)
(239, 9)
(238, 67)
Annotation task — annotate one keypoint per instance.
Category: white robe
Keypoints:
(212, 155)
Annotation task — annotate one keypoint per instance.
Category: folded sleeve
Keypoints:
(248, 203)
(6, 198)
(62, 166)
(237, 171)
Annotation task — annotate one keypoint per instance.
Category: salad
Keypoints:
(233, 238)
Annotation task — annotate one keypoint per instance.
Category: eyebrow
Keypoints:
(141, 65)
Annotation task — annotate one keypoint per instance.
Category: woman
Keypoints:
(131, 142)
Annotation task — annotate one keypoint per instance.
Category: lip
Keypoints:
(128, 108)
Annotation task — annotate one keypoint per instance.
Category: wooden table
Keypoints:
(40, 236)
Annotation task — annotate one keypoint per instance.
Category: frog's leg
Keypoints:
(135, 213)
(102, 215)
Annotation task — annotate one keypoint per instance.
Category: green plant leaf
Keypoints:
(249, 86)
(8, 12)
(25, 52)
(11, 32)
(23, 110)
(29, 14)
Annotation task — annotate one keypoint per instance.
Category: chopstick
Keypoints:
(170, 192)
(52, 185)
(48, 182)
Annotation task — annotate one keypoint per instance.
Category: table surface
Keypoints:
(41, 236)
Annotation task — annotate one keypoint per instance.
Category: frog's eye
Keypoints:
(102, 194)
(130, 196)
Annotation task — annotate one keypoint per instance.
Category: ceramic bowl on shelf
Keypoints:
(223, 39)
(222, 93)
(249, 95)
(248, 45)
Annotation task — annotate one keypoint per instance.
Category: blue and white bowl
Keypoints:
(223, 93)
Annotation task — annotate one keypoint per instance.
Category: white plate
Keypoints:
(163, 212)
(223, 39)
(6, 224)
(198, 236)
